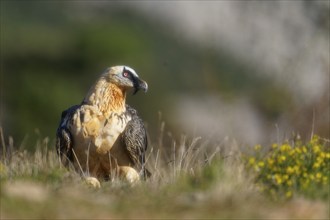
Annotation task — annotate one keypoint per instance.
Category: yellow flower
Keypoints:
(289, 170)
(318, 175)
(316, 149)
(304, 149)
(315, 139)
(319, 159)
(261, 164)
(298, 150)
(297, 169)
(256, 168)
(252, 160)
(278, 179)
(288, 194)
(274, 146)
(289, 183)
(281, 158)
(316, 165)
(257, 147)
(270, 161)
(292, 152)
(324, 179)
(327, 155)
(285, 147)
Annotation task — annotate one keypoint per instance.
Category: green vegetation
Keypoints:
(51, 56)
(297, 168)
(189, 181)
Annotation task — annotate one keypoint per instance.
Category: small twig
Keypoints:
(148, 156)
(277, 134)
(313, 124)
(87, 161)
(156, 161)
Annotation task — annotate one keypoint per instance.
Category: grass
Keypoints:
(192, 178)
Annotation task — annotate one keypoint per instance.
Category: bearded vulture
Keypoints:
(103, 137)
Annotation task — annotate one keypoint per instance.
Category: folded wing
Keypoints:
(64, 140)
(135, 141)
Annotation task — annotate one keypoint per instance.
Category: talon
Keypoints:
(129, 174)
(93, 182)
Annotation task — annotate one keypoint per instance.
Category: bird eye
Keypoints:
(125, 74)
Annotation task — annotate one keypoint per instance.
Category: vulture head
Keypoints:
(125, 78)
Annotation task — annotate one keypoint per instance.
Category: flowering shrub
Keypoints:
(289, 169)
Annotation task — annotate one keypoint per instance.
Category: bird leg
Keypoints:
(93, 182)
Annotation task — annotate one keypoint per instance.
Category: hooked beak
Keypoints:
(140, 85)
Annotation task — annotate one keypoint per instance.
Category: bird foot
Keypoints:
(93, 182)
(129, 174)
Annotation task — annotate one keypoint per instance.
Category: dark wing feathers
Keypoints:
(64, 141)
(135, 140)
(64, 145)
